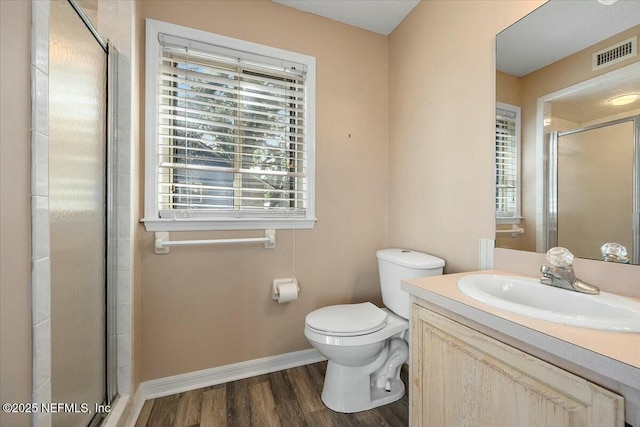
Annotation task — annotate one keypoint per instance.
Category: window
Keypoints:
(229, 133)
(507, 164)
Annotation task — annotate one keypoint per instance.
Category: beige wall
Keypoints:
(204, 307)
(508, 89)
(15, 208)
(441, 126)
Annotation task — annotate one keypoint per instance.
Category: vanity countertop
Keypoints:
(613, 355)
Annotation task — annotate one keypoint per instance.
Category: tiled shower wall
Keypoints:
(41, 273)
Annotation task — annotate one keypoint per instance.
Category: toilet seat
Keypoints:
(393, 325)
(347, 320)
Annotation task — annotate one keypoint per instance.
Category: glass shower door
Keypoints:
(593, 192)
(77, 203)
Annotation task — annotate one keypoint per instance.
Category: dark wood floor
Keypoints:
(288, 398)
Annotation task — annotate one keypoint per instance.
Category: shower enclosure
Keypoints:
(594, 188)
(81, 220)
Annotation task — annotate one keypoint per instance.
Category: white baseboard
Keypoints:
(237, 371)
(136, 406)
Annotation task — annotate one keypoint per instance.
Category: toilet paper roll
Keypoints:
(287, 292)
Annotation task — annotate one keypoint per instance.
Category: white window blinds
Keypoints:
(507, 162)
(231, 133)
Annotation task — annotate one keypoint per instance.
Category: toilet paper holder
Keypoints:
(275, 292)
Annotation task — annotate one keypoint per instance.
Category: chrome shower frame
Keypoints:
(111, 385)
(551, 208)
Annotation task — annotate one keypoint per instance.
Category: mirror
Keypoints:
(568, 154)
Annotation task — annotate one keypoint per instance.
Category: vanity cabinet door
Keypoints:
(461, 377)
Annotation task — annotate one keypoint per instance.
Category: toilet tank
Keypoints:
(396, 265)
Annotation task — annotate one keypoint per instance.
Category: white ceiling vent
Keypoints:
(616, 53)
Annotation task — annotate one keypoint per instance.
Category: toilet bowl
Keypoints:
(356, 359)
(365, 345)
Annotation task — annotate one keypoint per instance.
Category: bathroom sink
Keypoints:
(526, 296)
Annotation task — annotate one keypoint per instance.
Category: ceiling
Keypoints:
(379, 16)
(558, 29)
(589, 105)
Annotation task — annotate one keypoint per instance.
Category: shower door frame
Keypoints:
(41, 277)
(111, 389)
(110, 373)
(552, 183)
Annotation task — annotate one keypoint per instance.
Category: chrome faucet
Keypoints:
(565, 278)
(614, 252)
(561, 274)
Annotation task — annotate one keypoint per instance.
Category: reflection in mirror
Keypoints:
(591, 187)
(563, 66)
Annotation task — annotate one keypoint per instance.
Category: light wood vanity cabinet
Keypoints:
(461, 377)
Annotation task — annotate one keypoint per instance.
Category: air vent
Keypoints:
(616, 53)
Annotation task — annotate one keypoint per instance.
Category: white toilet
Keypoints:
(365, 345)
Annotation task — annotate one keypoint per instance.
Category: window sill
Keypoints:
(199, 224)
(509, 221)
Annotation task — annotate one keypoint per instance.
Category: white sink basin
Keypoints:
(529, 297)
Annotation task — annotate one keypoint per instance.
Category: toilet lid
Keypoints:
(347, 319)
